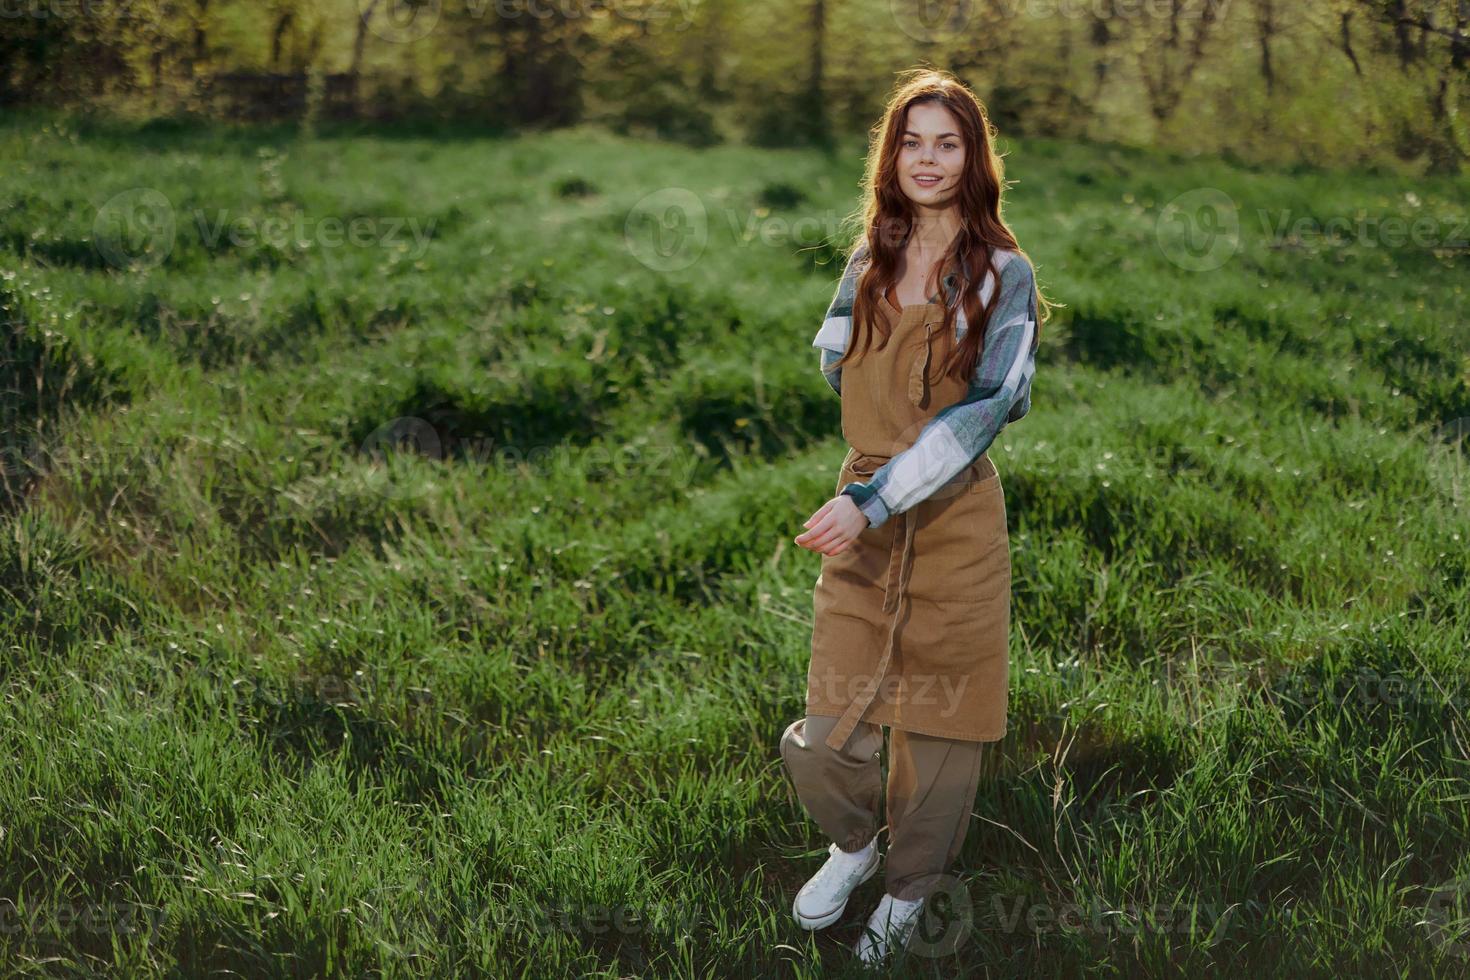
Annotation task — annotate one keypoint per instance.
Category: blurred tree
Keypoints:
(1167, 60)
(1100, 36)
(61, 55)
(814, 105)
(539, 72)
(1348, 80)
(713, 83)
(1265, 11)
(1444, 47)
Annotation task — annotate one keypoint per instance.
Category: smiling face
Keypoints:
(931, 154)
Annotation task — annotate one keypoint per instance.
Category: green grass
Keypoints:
(277, 708)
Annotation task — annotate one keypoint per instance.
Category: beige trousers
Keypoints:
(931, 788)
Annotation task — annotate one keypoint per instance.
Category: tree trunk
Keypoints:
(1100, 35)
(1265, 31)
(201, 38)
(359, 45)
(1445, 153)
(283, 24)
(1347, 43)
(1401, 32)
(815, 103)
(1165, 89)
(711, 51)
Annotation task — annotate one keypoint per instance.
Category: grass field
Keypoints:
(278, 705)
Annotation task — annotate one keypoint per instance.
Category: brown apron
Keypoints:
(911, 621)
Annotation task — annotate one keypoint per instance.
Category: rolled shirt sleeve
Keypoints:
(831, 371)
(836, 327)
(957, 435)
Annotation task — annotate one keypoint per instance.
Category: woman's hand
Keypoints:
(835, 526)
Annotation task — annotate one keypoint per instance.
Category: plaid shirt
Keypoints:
(1000, 391)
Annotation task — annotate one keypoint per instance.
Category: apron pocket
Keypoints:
(961, 549)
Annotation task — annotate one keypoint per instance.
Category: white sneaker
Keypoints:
(823, 898)
(888, 928)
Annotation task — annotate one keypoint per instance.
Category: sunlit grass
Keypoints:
(278, 708)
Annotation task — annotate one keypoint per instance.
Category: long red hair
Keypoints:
(888, 220)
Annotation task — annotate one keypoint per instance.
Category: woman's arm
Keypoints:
(837, 322)
(1000, 392)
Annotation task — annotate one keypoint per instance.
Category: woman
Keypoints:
(912, 606)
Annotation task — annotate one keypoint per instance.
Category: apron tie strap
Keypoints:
(893, 592)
